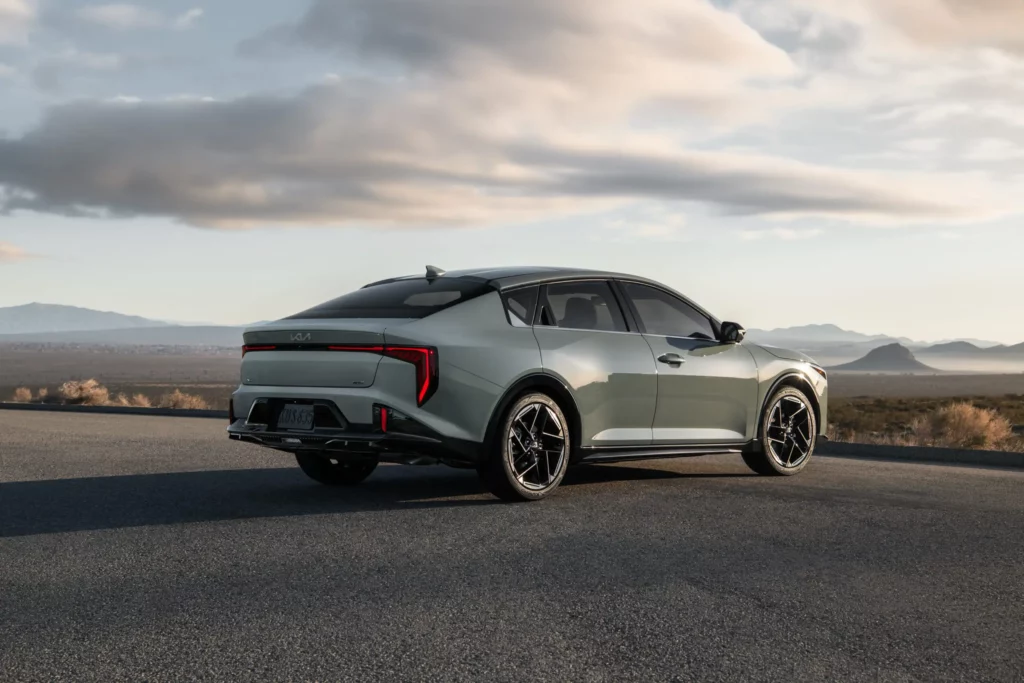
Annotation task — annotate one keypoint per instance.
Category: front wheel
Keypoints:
(788, 434)
(532, 455)
(335, 471)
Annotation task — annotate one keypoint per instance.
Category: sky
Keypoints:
(856, 162)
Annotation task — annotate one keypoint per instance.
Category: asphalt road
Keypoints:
(138, 548)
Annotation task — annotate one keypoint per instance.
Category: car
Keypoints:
(521, 373)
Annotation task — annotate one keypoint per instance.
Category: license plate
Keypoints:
(295, 417)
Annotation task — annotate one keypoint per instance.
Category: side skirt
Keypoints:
(596, 454)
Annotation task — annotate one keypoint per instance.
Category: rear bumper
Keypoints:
(410, 449)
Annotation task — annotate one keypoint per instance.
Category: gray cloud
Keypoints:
(502, 111)
(351, 152)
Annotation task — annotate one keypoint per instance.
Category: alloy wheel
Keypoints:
(789, 432)
(536, 446)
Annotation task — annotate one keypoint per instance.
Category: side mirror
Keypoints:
(733, 333)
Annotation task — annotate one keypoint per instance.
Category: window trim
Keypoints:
(716, 326)
(543, 304)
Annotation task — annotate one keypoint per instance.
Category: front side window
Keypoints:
(666, 315)
(583, 306)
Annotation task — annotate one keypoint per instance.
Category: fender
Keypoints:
(550, 385)
(808, 387)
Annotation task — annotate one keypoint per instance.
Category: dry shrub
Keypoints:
(182, 401)
(43, 395)
(22, 395)
(87, 393)
(961, 425)
(136, 401)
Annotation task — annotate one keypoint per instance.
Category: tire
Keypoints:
(530, 453)
(335, 471)
(784, 450)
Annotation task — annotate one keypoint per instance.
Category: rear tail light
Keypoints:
(425, 361)
(247, 348)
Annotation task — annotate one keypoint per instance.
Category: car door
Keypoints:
(585, 342)
(707, 390)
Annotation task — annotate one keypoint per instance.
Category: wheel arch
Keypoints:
(549, 385)
(796, 380)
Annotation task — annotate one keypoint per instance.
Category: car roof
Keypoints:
(510, 277)
(507, 277)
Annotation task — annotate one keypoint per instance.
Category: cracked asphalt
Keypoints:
(151, 549)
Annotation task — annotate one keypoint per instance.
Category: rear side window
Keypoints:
(400, 299)
(521, 305)
(583, 306)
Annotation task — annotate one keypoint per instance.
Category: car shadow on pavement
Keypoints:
(123, 501)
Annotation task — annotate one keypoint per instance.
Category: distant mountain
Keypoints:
(141, 336)
(816, 334)
(980, 343)
(35, 317)
(1016, 351)
(894, 358)
(957, 348)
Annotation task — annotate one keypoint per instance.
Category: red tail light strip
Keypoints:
(246, 349)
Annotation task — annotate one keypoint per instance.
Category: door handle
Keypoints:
(673, 359)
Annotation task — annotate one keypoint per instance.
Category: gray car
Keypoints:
(521, 373)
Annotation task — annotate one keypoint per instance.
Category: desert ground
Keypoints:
(210, 372)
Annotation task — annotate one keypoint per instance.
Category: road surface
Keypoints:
(141, 548)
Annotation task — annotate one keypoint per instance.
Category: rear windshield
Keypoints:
(400, 299)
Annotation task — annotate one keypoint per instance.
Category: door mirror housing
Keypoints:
(732, 333)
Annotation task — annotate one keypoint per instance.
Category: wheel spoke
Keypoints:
(519, 441)
(522, 475)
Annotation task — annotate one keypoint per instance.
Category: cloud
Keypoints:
(786, 234)
(15, 18)
(7, 71)
(121, 17)
(994, 150)
(188, 18)
(49, 73)
(939, 24)
(12, 254)
(484, 111)
(340, 153)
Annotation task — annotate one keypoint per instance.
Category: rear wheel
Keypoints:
(334, 470)
(788, 434)
(532, 453)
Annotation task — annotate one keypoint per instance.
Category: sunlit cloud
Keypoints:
(10, 253)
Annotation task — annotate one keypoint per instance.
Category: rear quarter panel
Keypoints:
(480, 355)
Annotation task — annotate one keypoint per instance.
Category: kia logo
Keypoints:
(301, 336)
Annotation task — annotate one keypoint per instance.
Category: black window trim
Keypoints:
(543, 304)
(716, 326)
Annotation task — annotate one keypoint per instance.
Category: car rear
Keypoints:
(356, 374)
